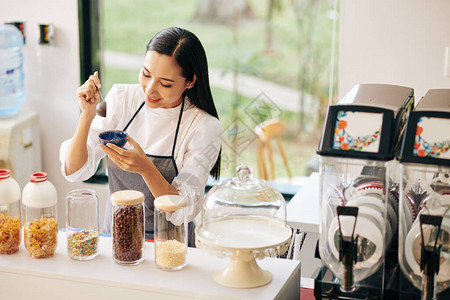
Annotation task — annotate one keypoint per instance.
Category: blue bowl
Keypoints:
(116, 137)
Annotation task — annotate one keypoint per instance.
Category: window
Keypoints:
(270, 59)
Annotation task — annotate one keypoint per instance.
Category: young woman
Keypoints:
(172, 123)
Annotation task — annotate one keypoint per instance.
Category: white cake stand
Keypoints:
(244, 238)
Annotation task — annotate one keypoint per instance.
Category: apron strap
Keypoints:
(172, 156)
(134, 116)
(176, 131)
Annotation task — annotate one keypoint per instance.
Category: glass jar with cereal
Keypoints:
(82, 224)
(39, 199)
(9, 213)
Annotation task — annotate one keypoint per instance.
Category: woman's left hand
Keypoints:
(133, 160)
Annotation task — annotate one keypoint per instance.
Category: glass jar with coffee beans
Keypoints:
(128, 231)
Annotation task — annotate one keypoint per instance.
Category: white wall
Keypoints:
(399, 42)
(52, 76)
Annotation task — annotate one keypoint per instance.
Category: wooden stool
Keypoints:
(265, 132)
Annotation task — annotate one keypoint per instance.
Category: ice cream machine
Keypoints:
(359, 190)
(424, 221)
(385, 195)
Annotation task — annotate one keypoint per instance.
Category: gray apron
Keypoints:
(123, 180)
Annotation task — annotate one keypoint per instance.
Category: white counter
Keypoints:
(59, 277)
(303, 213)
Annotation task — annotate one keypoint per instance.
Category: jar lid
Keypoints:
(9, 188)
(170, 203)
(246, 189)
(127, 197)
(39, 192)
(244, 195)
(5, 173)
(38, 177)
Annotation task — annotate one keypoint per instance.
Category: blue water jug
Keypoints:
(12, 92)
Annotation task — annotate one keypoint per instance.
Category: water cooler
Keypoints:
(424, 221)
(359, 191)
(20, 149)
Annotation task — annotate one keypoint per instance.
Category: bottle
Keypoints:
(82, 224)
(10, 226)
(12, 92)
(171, 232)
(128, 227)
(39, 216)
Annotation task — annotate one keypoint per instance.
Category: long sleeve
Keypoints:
(99, 124)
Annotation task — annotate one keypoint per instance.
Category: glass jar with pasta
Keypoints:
(39, 216)
(10, 224)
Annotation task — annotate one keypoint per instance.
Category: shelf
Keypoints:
(59, 277)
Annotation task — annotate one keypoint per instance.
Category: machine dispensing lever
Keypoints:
(430, 254)
(347, 247)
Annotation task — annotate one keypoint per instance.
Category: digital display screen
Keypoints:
(432, 138)
(357, 131)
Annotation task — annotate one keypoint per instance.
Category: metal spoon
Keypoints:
(101, 106)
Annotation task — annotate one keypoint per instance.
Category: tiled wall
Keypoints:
(51, 79)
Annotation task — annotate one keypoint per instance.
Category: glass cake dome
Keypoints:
(245, 218)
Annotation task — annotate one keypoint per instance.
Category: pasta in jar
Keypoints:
(39, 211)
(40, 237)
(9, 213)
(9, 234)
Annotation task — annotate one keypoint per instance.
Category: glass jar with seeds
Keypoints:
(171, 232)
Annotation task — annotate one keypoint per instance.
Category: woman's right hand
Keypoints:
(88, 95)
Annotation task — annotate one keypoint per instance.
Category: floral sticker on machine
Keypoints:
(431, 140)
(357, 131)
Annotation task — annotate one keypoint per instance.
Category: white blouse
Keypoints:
(197, 146)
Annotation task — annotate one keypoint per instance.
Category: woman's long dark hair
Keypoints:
(188, 51)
